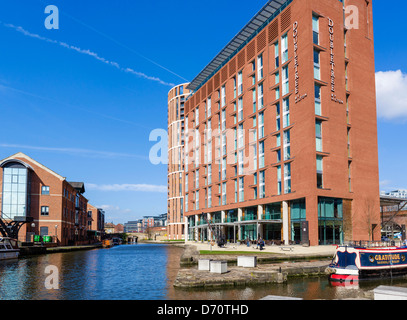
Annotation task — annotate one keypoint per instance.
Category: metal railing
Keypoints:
(375, 244)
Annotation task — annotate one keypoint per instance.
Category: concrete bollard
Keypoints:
(204, 264)
(218, 267)
(390, 293)
(247, 262)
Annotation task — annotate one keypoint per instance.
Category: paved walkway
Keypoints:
(287, 250)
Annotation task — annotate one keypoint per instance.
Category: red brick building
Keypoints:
(96, 221)
(57, 206)
(281, 131)
(176, 129)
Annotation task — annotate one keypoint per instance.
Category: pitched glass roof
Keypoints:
(255, 25)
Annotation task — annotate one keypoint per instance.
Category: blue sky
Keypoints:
(83, 99)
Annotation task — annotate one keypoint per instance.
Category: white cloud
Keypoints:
(127, 187)
(88, 53)
(391, 87)
(76, 151)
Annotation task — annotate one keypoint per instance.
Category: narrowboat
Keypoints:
(8, 249)
(107, 243)
(354, 263)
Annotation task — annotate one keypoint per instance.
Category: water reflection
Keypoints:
(144, 272)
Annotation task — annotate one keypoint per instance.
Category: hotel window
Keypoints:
(287, 149)
(350, 175)
(277, 77)
(236, 191)
(278, 155)
(287, 178)
(319, 172)
(241, 136)
(278, 116)
(197, 200)
(223, 120)
(209, 174)
(286, 113)
(285, 83)
(241, 164)
(223, 96)
(235, 138)
(317, 71)
(260, 96)
(234, 88)
(45, 190)
(44, 211)
(262, 184)
(197, 117)
(224, 168)
(276, 55)
(346, 76)
(224, 144)
(197, 142)
(260, 67)
(197, 179)
(261, 154)
(240, 110)
(317, 90)
(284, 48)
(278, 141)
(209, 106)
(279, 180)
(315, 29)
(209, 152)
(261, 125)
(241, 189)
(224, 193)
(277, 93)
(318, 134)
(240, 83)
(254, 100)
(210, 197)
(254, 156)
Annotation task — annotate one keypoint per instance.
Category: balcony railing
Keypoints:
(230, 220)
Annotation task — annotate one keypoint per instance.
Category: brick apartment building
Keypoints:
(57, 206)
(281, 130)
(96, 222)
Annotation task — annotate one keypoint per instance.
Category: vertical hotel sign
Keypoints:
(332, 60)
(298, 96)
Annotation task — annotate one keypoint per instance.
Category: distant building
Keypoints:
(119, 228)
(96, 221)
(401, 193)
(141, 225)
(132, 227)
(109, 228)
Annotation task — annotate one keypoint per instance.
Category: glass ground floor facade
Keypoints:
(268, 222)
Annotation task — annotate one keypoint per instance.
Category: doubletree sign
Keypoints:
(332, 61)
(298, 96)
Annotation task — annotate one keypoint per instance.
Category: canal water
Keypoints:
(141, 272)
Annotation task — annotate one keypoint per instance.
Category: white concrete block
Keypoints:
(204, 264)
(247, 262)
(390, 293)
(218, 267)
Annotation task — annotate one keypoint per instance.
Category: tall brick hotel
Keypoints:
(277, 134)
